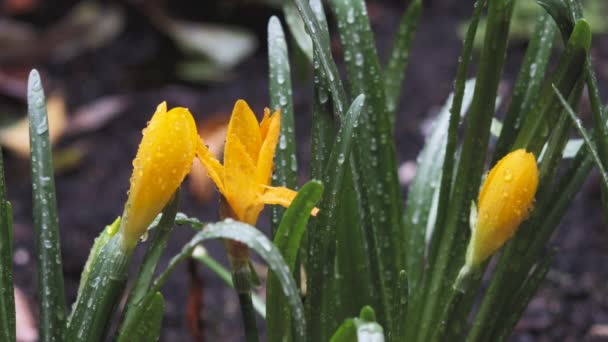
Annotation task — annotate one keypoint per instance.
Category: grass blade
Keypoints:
(7, 297)
(46, 225)
(286, 165)
(254, 239)
(374, 163)
(297, 29)
(321, 237)
(153, 253)
(400, 56)
(583, 132)
(287, 240)
(453, 241)
(528, 85)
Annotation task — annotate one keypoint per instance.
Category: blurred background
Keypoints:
(106, 65)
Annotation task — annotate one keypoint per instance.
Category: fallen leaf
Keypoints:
(16, 137)
(213, 131)
(94, 115)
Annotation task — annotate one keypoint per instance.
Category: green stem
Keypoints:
(248, 313)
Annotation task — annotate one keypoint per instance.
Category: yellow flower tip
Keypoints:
(163, 159)
(505, 201)
(314, 211)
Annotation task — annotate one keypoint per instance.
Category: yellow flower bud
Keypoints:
(163, 159)
(505, 200)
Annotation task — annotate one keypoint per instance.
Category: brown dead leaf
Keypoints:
(16, 137)
(94, 115)
(26, 324)
(213, 131)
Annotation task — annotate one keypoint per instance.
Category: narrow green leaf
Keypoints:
(374, 164)
(417, 293)
(150, 323)
(521, 298)
(151, 258)
(46, 224)
(361, 329)
(422, 196)
(583, 132)
(7, 298)
(560, 12)
(183, 219)
(200, 254)
(536, 127)
(528, 84)
(310, 11)
(400, 56)
(286, 165)
(287, 239)
(100, 294)
(321, 237)
(297, 29)
(254, 239)
(454, 236)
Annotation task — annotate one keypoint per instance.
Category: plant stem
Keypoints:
(248, 313)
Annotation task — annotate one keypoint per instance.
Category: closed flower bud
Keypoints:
(163, 159)
(505, 200)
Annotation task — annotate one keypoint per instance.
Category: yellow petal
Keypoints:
(265, 123)
(281, 196)
(244, 126)
(215, 170)
(241, 189)
(264, 165)
(504, 202)
(163, 159)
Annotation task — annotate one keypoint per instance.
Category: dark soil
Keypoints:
(140, 64)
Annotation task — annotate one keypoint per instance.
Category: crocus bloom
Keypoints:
(505, 200)
(163, 159)
(244, 179)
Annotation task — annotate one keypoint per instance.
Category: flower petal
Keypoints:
(281, 196)
(265, 123)
(240, 187)
(264, 165)
(244, 126)
(163, 159)
(215, 170)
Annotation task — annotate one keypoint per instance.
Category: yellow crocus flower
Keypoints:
(505, 201)
(244, 179)
(163, 159)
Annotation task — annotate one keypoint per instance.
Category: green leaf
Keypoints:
(7, 297)
(528, 85)
(400, 56)
(148, 327)
(287, 240)
(46, 225)
(586, 138)
(254, 239)
(286, 165)
(521, 298)
(153, 254)
(200, 254)
(362, 329)
(103, 238)
(560, 12)
(297, 29)
(424, 190)
(311, 11)
(454, 236)
(416, 302)
(321, 237)
(100, 294)
(536, 127)
(374, 164)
